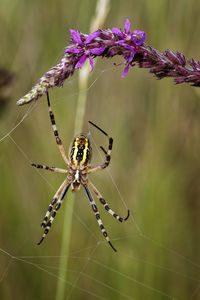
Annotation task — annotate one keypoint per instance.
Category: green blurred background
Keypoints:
(155, 161)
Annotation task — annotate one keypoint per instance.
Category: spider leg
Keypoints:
(101, 199)
(95, 210)
(53, 201)
(58, 204)
(53, 169)
(107, 153)
(58, 140)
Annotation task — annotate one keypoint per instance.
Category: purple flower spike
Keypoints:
(84, 48)
(108, 43)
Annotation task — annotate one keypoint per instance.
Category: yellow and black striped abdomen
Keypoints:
(80, 151)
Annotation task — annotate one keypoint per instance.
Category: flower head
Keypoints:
(108, 43)
(137, 36)
(129, 40)
(84, 48)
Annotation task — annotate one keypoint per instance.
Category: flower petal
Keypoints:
(141, 40)
(125, 71)
(76, 36)
(91, 63)
(139, 37)
(120, 42)
(92, 36)
(130, 58)
(123, 44)
(140, 32)
(117, 32)
(127, 26)
(74, 50)
(81, 61)
(97, 51)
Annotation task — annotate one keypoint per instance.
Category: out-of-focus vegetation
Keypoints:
(155, 160)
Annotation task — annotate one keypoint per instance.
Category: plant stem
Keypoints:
(69, 205)
(79, 119)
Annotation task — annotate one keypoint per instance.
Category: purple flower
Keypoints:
(129, 40)
(137, 36)
(109, 43)
(83, 48)
(128, 63)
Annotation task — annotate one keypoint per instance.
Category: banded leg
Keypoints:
(101, 199)
(95, 210)
(58, 140)
(53, 169)
(107, 153)
(53, 201)
(58, 205)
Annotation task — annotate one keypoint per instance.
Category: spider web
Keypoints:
(94, 270)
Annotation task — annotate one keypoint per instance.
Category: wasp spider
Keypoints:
(78, 168)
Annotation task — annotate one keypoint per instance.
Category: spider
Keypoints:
(79, 167)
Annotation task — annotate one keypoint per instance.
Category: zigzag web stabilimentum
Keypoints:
(136, 271)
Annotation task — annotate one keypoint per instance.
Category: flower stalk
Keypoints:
(109, 43)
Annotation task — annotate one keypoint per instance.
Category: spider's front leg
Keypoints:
(56, 134)
(107, 153)
(53, 169)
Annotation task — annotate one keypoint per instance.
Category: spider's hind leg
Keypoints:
(102, 201)
(53, 201)
(95, 210)
(62, 192)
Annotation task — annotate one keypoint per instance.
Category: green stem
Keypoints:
(102, 9)
(69, 205)
(67, 225)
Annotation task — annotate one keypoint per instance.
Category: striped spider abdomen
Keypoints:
(80, 152)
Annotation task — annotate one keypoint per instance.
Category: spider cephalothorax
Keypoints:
(78, 168)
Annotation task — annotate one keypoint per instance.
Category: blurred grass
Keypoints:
(155, 161)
